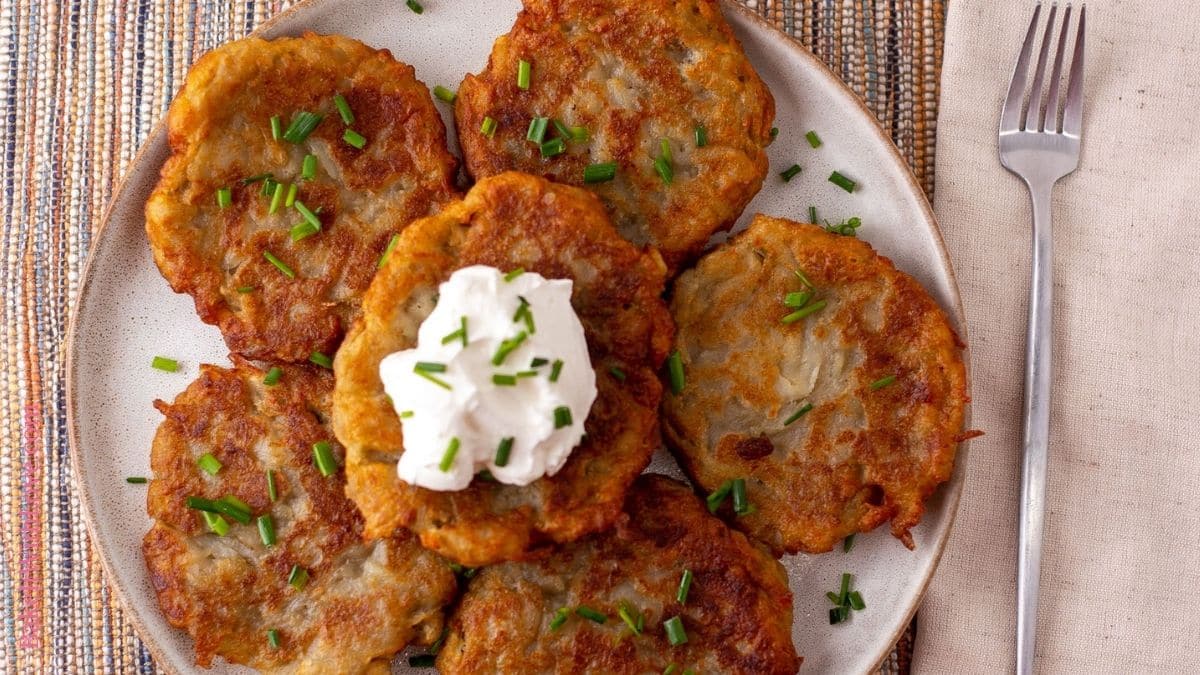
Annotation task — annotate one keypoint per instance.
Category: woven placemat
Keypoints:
(84, 82)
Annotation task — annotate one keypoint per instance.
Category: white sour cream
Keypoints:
(465, 407)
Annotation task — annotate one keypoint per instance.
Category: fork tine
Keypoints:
(1033, 116)
(1050, 120)
(1010, 116)
(1073, 113)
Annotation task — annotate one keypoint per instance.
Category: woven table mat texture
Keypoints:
(84, 84)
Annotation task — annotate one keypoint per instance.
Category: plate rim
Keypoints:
(954, 489)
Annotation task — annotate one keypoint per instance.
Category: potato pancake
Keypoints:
(659, 88)
(334, 602)
(822, 375)
(599, 605)
(280, 272)
(509, 221)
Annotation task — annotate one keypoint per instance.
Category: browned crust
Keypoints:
(738, 614)
(633, 72)
(219, 132)
(861, 457)
(509, 221)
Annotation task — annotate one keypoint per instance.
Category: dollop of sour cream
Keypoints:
(501, 367)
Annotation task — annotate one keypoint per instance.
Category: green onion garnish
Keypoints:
(255, 178)
(488, 128)
(562, 417)
(503, 451)
(553, 147)
(444, 94)
(460, 334)
(524, 74)
(302, 125)
(685, 584)
(320, 359)
(224, 197)
(812, 214)
(273, 638)
(430, 366)
(268, 186)
(276, 127)
(701, 136)
(228, 506)
(354, 139)
(798, 414)
(813, 139)
(671, 669)
(210, 464)
(848, 543)
(833, 597)
(579, 134)
(563, 131)
(560, 617)
(599, 173)
(507, 347)
(239, 505)
(882, 382)
(716, 497)
(664, 170)
(538, 362)
(676, 635)
(298, 577)
(675, 371)
(272, 492)
(433, 378)
(590, 614)
(856, 601)
(803, 312)
(266, 529)
(291, 195)
(841, 181)
(245, 289)
(527, 373)
(774, 132)
(502, 380)
(789, 173)
(136, 480)
(388, 250)
(523, 314)
(304, 230)
(513, 274)
(276, 198)
(405, 414)
(279, 265)
(836, 615)
(272, 376)
(845, 590)
(323, 458)
(741, 505)
(797, 299)
(617, 373)
(448, 456)
(216, 524)
(343, 109)
(164, 364)
(422, 660)
(631, 617)
(804, 278)
(556, 370)
(308, 169)
(414, 6)
(537, 129)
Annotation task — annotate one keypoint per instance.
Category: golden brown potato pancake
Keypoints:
(220, 132)
(737, 614)
(631, 74)
(363, 601)
(880, 365)
(509, 221)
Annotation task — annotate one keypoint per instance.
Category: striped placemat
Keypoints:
(84, 82)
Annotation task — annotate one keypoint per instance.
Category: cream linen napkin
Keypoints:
(1121, 565)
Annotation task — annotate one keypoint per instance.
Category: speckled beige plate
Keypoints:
(126, 314)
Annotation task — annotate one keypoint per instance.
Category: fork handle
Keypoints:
(1036, 428)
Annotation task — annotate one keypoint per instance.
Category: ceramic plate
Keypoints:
(126, 313)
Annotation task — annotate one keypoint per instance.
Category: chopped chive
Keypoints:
(562, 417)
(631, 617)
(856, 601)
(664, 148)
(803, 312)
(503, 451)
(741, 505)
(276, 127)
(272, 491)
(245, 289)
(279, 265)
(210, 464)
(835, 615)
(798, 414)
(841, 181)
(298, 577)
(216, 524)
(553, 147)
(164, 364)
(523, 314)
(276, 198)
(676, 635)
(302, 231)
(789, 173)
(560, 617)
(434, 379)
(488, 128)
(599, 173)
(848, 543)
(590, 614)
(797, 299)
(617, 373)
(537, 129)
(448, 456)
(272, 376)
(388, 250)
(507, 347)
(556, 370)
(813, 139)
(443, 94)
(833, 597)
(268, 187)
(308, 170)
(224, 197)
(460, 334)
(685, 584)
(524, 74)
(415, 6)
(250, 180)
(671, 669)
(662, 167)
(513, 274)
(136, 480)
(323, 458)
(266, 529)
(343, 109)
(812, 214)
(273, 638)
(845, 589)
(716, 497)
(354, 139)
(675, 371)
(302, 125)
(422, 660)
(406, 414)
(882, 382)
(430, 366)
(774, 132)
(238, 505)
(563, 131)
(320, 359)
(502, 380)
(701, 136)
(291, 195)
(579, 134)
(538, 362)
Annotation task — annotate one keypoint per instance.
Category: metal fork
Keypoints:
(1036, 148)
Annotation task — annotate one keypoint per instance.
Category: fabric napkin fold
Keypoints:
(1120, 584)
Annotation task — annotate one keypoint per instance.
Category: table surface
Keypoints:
(84, 84)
